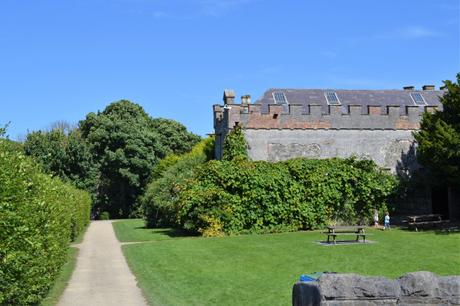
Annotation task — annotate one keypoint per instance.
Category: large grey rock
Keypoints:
(449, 289)
(353, 286)
(417, 288)
(419, 284)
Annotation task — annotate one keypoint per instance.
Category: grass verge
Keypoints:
(261, 269)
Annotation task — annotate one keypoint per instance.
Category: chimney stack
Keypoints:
(229, 96)
(409, 88)
(246, 99)
(428, 87)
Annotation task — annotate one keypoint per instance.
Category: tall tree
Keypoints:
(174, 136)
(126, 143)
(439, 138)
(64, 153)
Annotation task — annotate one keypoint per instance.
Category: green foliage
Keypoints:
(170, 175)
(229, 197)
(104, 216)
(439, 138)
(235, 146)
(174, 137)
(39, 215)
(126, 143)
(64, 153)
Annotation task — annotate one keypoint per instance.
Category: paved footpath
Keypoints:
(101, 276)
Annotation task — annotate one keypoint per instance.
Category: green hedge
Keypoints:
(39, 215)
(229, 197)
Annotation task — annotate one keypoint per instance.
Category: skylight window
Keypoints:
(418, 98)
(332, 98)
(280, 97)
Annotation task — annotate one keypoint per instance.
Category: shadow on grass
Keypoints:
(444, 229)
(170, 232)
(450, 228)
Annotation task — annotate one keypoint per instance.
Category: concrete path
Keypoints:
(101, 276)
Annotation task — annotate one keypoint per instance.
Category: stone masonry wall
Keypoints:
(418, 288)
(383, 134)
(391, 149)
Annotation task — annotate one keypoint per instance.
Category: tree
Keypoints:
(439, 138)
(64, 153)
(126, 143)
(174, 136)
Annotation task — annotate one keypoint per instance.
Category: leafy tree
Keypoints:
(439, 138)
(174, 136)
(235, 146)
(64, 153)
(126, 143)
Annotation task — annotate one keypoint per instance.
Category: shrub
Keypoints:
(235, 146)
(170, 175)
(245, 196)
(39, 215)
(105, 215)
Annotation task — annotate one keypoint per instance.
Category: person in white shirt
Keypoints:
(387, 221)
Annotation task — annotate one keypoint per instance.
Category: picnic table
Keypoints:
(425, 221)
(355, 230)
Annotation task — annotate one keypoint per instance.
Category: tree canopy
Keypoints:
(126, 143)
(439, 138)
(110, 153)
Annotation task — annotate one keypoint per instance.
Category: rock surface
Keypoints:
(416, 288)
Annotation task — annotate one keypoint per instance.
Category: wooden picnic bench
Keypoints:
(356, 230)
(424, 221)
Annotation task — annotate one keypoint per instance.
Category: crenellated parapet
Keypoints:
(251, 116)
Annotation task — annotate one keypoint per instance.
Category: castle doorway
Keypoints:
(440, 201)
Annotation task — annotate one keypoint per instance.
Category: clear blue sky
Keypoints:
(60, 60)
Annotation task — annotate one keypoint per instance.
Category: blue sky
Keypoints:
(60, 60)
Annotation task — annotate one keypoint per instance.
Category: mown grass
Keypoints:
(261, 269)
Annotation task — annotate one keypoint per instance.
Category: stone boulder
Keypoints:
(417, 288)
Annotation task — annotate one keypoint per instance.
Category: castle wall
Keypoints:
(383, 134)
(390, 149)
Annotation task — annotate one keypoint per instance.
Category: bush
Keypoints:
(230, 197)
(105, 215)
(235, 146)
(39, 215)
(170, 174)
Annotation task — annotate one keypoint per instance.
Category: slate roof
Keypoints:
(351, 97)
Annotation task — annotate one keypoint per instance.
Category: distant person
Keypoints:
(376, 218)
(387, 221)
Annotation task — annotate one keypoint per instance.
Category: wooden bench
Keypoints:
(425, 221)
(334, 231)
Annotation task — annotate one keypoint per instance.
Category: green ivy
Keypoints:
(235, 146)
(245, 196)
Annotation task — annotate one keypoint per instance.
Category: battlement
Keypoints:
(297, 116)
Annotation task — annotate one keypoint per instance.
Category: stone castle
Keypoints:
(324, 123)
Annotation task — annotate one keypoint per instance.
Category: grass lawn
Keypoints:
(261, 269)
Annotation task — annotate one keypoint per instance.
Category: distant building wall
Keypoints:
(386, 147)
(383, 134)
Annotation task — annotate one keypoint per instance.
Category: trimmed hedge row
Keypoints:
(230, 197)
(39, 216)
